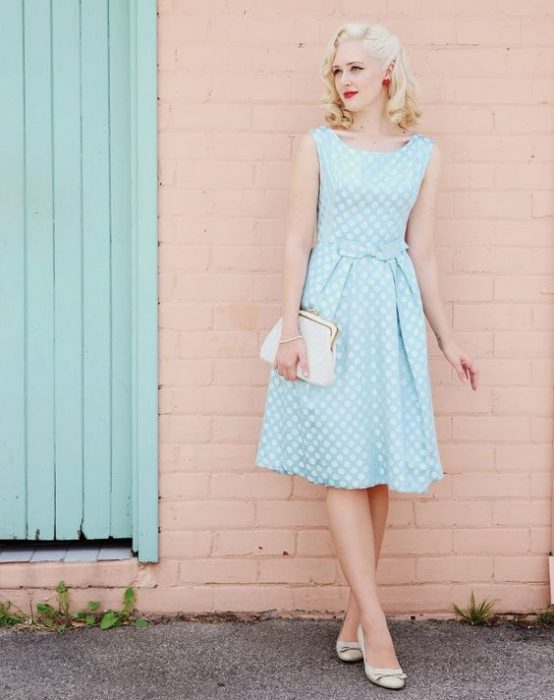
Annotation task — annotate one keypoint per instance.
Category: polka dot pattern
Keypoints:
(375, 423)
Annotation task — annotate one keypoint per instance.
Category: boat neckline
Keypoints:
(367, 150)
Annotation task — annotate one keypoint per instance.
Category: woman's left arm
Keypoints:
(420, 239)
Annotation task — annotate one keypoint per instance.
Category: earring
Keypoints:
(386, 82)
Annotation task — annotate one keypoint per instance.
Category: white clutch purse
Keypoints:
(320, 336)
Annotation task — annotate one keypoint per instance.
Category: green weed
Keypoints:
(476, 614)
(60, 619)
(546, 616)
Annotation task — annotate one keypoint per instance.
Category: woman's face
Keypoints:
(355, 71)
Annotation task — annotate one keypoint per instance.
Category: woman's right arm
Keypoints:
(300, 227)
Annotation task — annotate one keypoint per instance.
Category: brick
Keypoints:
(396, 570)
(417, 541)
(462, 458)
(522, 288)
(185, 428)
(517, 513)
(504, 372)
(257, 484)
(178, 316)
(541, 540)
(314, 543)
(258, 542)
(177, 485)
(295, 514)
(214, 344)
(235, 428)
(453, 514)
(212, 400)
(535, 344)
(241, 372)
(427, 598)
(194, 372)
(522, 401)
(526, 457)
(490, 486)
(177, 599)
(456, 569)
(245, 258)
(521, 569)
(293, 570)
(200, 515)
(491, 428)
(318, 599)
(214, 570)
(458, 400)
(479, 541)
(183, 545)
(213, 287)
(479, 317)
(253, 598)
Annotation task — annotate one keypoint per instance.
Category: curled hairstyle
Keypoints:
(403, 91)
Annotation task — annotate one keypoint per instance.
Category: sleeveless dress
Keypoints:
(375, 423)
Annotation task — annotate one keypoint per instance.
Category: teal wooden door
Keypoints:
(70, 267)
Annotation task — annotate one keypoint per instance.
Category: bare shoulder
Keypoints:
(436, 153)
(432, 171)
(435, 150)
(307, 142)
(306, 152)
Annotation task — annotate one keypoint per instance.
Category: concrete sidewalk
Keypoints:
(273, 660)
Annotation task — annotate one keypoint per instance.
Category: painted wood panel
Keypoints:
(69, 240)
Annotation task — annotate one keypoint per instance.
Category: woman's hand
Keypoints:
(287, 357)
(462, 363)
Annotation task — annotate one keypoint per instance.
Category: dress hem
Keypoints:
(290, 472)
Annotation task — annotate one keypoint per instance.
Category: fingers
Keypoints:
(285, 372)
(304, 366)
(290, 372)
(468, 371)
(288, 364)
(474, 372)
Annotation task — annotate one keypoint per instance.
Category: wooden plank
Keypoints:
(13, 516)
(145, 283)
(68, 252)
(120, 208)
(39, 271)
(97, 410)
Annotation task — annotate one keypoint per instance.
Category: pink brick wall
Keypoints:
(237, 86)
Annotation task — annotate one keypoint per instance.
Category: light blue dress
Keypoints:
(375, 423)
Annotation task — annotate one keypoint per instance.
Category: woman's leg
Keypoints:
(351, 526)
(378, 497)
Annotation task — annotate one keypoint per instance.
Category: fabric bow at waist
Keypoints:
(358, 249)
(392, 253)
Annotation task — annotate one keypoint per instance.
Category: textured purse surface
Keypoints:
(321, 357)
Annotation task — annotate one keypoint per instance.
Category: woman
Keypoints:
(370, 183)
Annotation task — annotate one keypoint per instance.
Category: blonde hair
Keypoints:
(403, 103)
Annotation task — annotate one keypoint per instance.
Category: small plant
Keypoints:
(476, 614)
(61, 619)
(546, 616)
(6, 618)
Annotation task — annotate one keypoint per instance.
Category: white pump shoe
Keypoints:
(393, 678)
(349, 651)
